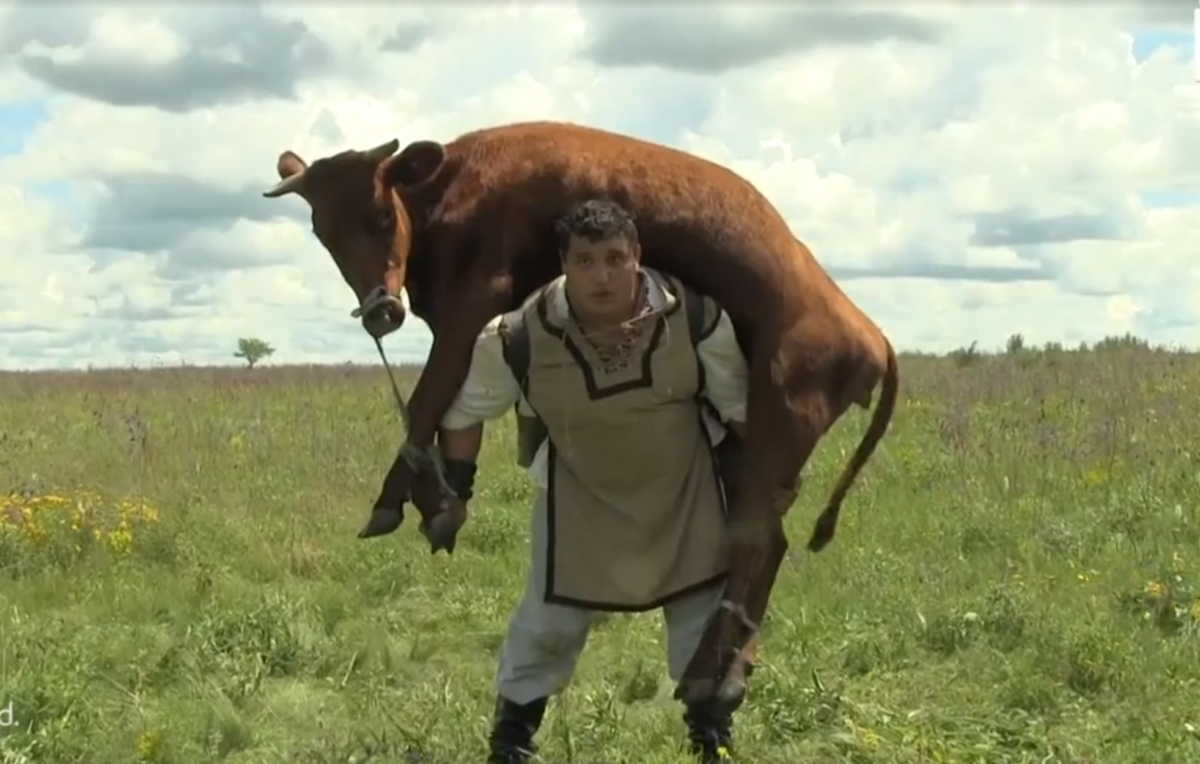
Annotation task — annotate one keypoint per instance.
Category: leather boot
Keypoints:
(710, 731)
(513, 729)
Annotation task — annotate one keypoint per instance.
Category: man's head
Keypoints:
(598, 244)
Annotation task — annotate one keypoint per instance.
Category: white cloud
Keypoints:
(966, 187)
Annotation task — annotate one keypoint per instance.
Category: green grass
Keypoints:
(1015, 579)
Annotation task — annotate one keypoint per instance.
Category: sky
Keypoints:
(964, 173)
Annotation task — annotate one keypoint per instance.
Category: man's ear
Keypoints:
(418, 163)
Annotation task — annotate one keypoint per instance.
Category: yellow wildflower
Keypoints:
(869, 738)
(120, 540)
(1156, 589)
(149, 744)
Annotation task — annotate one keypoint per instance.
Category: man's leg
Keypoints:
(709, 725)
(538, 656)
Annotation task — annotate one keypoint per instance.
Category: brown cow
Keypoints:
(465, 227)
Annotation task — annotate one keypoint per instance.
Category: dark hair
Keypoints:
(594, 219)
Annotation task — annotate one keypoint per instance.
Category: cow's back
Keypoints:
(695, 218)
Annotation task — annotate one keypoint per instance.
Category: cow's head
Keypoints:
(358, 213)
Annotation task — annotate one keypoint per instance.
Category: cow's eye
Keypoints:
(382, 221)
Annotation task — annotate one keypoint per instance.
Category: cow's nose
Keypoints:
(388, 313)
(380, 323)
(381, 312)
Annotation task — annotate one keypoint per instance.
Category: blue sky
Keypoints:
(1146, 41)
(17, 120)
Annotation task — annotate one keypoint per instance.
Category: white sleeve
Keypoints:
(725, 372)
(490, 389)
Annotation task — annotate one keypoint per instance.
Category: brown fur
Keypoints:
(480, 211)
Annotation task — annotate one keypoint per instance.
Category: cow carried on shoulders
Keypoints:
(466, 229)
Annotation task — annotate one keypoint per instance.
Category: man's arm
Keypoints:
(725, 373)
(488, 392)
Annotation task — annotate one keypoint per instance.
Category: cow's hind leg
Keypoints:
(788, 410)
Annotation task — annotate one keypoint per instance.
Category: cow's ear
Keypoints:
(291, 173)
(289, 164)
(419, 162)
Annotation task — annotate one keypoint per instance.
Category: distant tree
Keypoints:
(1016, 343)
(253, 350)
(965, 356)
(1127, 340)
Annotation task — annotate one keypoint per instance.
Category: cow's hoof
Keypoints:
(442, 529)
(383, 520)
(691, 691)
(732, 692)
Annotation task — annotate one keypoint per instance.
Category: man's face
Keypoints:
(602, 277)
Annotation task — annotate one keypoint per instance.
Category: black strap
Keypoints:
(514, 339)
(695, 312)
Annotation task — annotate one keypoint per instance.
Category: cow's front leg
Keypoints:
(783, 428)
(417, 472)
(722, 662)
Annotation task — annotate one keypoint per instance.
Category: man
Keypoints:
(629, 379)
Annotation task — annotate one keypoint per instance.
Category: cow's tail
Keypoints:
(827, 522)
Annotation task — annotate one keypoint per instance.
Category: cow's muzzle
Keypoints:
(381, 313)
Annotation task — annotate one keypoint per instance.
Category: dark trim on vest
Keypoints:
(549, 596)
(551, 460)
(618, 608)
(716, 464)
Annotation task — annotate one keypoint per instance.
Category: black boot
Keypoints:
(710, 731)
(512, 731)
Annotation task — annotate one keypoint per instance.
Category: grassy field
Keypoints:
(1016, 578)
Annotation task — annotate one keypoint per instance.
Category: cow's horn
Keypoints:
(287, 185)
(383, 151)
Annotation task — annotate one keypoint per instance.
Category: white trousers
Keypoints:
(544, 639)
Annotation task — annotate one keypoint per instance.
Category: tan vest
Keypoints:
(635, 512)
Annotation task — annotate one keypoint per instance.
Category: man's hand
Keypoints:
(442, 513)
(460, 474)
